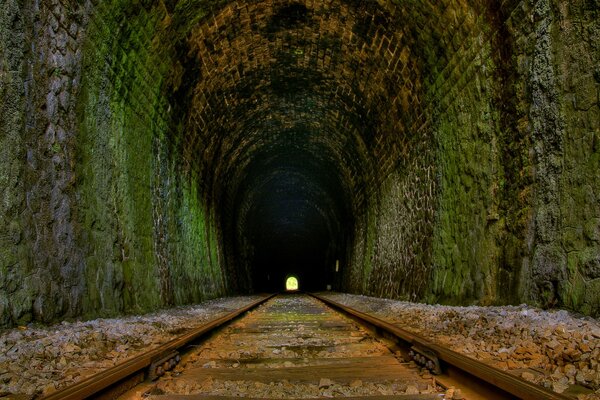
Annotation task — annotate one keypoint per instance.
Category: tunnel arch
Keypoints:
(313, 105)
(293, 89)
(425, 146)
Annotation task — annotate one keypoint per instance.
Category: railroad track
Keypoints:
(302, 346)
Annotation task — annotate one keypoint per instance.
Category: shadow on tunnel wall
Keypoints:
(157, 153)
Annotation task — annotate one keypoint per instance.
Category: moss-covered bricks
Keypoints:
(444, 153)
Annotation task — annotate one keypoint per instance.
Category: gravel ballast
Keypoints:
(552, 348)
(40, 360)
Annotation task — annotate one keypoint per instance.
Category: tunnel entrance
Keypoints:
(291, 284)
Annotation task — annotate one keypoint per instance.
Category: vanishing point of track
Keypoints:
(301, 340)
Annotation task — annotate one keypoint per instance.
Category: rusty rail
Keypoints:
(102, 381)
(481, 377)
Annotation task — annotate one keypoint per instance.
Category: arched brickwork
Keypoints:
(163, 152)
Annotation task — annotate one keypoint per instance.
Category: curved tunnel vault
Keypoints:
(290, 218)
(162, 152)
(298, 110)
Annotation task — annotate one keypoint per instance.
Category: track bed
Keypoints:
(293, 346)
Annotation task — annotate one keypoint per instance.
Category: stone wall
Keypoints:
(511, 103)
(467, 128)
(13, 248)
(104, 218)
(432, 227)
(447, 152)
(555, 116)
(41, 263)
(149, 238)
(574, 48)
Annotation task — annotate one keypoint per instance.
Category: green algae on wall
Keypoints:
(465, 248)
(199, 270)
(12, 106)
(88, 130)
(148, 237)
(433, 234)
(575, 35)
(115, 146)
(102, 211)
(465, 254)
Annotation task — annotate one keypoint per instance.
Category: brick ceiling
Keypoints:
(296, 111)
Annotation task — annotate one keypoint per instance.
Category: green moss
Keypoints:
(145, 225)
(369, 253)
(579, 184)
(465, 248)
(128, 114)
(581, 295)
(14, 246)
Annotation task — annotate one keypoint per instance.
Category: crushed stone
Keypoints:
(38, 360)
(555, 348)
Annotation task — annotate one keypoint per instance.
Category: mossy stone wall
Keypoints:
(463, 136)
(575, 43)
(100, 216)
(151, 237)
(511, 107)
(13, 248)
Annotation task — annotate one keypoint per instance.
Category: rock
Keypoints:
(584, 347)
(554, 344)
(589, 375)
(521, 350)
(457, 395)
(63, 99)
(356, 383)
(48, 389)
(51, 105)
(325, 383)
(528, 376)
(411, 389)
(559, 386)
(570, 370)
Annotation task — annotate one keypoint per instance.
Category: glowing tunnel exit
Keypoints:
(291, 284)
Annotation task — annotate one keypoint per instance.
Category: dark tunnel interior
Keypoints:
(166, 152)
(296, 220)
(288, 141)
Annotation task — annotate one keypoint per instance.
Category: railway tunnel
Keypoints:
(160, 153)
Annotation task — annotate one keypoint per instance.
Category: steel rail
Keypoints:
(103, 380)
(512, 385)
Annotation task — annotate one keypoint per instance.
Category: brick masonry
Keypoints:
(457, 143)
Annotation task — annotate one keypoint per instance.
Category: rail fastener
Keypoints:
(162, 364)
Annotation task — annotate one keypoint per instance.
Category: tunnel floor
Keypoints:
(292, 347)
(553, 348)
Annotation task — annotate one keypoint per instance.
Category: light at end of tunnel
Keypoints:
(291, 284)
(337, 265)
